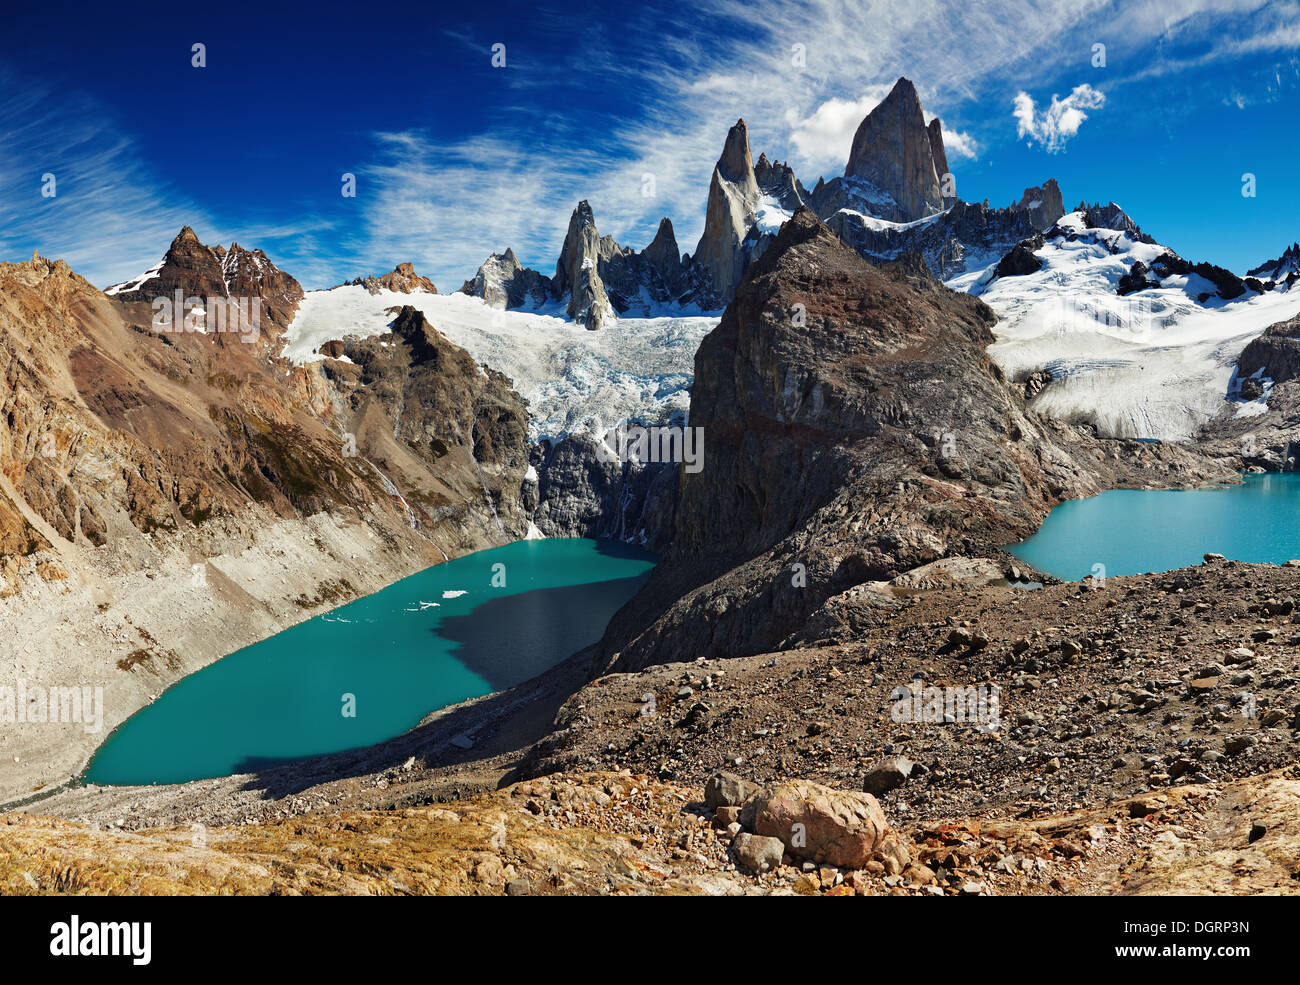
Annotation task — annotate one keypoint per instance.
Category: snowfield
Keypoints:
(637, 369)
(1157, 363)
(1154, 364)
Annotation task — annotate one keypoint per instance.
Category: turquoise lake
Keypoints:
(446, 634)
(1134, 531)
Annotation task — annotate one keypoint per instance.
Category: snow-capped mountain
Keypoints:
(216, 272)
(1115, 329)
(1097, 320)
(574, 381)
(1285, 270)
(597, 280)
(896, 196)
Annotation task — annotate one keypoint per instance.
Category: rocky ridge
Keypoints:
(403, 279)
(214, 272)
(168, 497)
(857, 429)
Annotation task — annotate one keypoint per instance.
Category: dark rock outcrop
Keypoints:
(1227, 285)
(1284, 270)
(1021, 260)
(579, 495)
(855, 429)
(967, 236)
(1111, 216)
(1275, 354)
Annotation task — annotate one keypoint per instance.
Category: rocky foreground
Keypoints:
(1144, 740)
(627, 834)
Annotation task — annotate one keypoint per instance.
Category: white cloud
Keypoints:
(1060, 121)
(958, 143)
(824, 138)
(107, 218)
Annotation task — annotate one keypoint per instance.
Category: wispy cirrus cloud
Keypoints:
(110, 216)
(801, 74)
(108, 213)
(1060, 121)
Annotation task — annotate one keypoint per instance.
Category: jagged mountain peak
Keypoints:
(664, 244)
(735, 163)
(1285, 269)
(577, 270)
(202, 272)
(1111, 216)
(403, 279)
(893, 151)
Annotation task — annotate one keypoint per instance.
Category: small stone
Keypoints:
(725, 789)
(757, 853)
(724, 816)
(887, 775)
(1238, 744)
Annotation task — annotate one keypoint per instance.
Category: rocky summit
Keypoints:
(860, 430)
(896, 155)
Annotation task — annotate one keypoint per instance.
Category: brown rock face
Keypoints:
(204, 272)
(449, 434)
(843, 828)
(403, 279)
(893, 151)
(854, 428)
(109, 430)
(733, 197)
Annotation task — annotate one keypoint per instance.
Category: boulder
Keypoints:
(887, 775)
(843, 828)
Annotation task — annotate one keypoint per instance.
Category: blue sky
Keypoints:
(456, 159)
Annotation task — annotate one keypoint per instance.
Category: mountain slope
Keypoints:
(868, 436)
(167, 497)
(1127, 335)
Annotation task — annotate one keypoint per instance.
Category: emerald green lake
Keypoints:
(1134, 531)
(449, 633)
